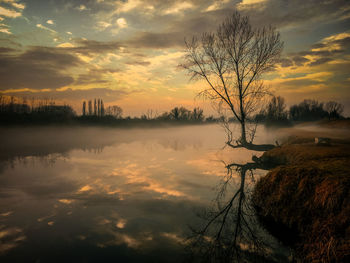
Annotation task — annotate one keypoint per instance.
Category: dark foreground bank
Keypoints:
(305, 200)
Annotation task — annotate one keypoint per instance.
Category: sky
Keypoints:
(127, 52)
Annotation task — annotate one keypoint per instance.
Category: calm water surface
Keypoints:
(86, 194)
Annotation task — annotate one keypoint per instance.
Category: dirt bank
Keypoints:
(305, 201)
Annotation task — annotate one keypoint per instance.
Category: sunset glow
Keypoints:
(128, 52)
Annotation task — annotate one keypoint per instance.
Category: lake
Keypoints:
(89, 194)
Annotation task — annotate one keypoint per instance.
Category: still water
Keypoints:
(85, 194)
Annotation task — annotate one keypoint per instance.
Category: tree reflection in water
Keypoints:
(230, 231)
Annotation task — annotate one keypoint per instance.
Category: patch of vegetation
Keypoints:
(275, 112)
(305, 202)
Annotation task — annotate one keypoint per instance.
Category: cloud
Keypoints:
(177, 29)
(94, 76)
(5, 29)
(107, 94)
(326, 50)
(47, 69)
(286, 62)
(88, 47)
(157, 40)
(12, 10)
(320, 61)
(50, 22)
(138, 63)
(248, 4)
(36, 68)
(102, 25)
(46, 28)
(18, 5)
(320, 72)
(126, 6)
(9, 13)
(14, 4)
(332, 44)
(81, 8)
(178, 7)
(121, 22)
(286, 13)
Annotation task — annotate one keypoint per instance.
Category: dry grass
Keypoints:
(308, 199)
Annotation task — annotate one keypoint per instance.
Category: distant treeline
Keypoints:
(17, 111)
(276, 111)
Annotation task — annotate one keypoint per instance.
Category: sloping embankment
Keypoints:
(305, 202)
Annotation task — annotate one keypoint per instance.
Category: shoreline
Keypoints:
(305, 200)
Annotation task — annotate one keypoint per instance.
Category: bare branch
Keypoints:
(232, 61)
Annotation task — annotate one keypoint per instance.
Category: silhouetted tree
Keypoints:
(99, 107)
(231, 61)
(180, 113)
(102, 109)
(95, 107)
(276, 109)
(197, 114)
(90, 107)
(334, 109)
(308, 110)
(84, 108)
(175, 113)
(115, 111)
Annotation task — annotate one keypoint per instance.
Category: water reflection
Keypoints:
(230, 231)
(97, 195)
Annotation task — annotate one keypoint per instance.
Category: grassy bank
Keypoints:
(305, 200)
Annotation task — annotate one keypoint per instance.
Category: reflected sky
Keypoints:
(97, 194)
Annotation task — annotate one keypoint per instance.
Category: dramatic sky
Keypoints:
(127, 52)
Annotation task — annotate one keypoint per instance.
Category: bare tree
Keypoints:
(231, 61)
(115, 111)
(334, 109)
(276, 109)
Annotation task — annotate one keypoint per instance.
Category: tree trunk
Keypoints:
(243, 133)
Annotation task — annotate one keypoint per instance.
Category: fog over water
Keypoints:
(85, 194)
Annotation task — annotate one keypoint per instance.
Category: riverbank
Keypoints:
(305, 200)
